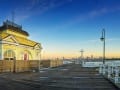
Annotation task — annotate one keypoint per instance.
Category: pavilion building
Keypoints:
(14, 43)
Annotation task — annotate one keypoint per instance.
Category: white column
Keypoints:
(2, 52)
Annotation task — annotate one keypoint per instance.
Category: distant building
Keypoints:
(14, 43)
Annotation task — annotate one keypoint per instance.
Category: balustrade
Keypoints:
(112, 72)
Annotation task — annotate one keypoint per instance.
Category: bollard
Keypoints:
(33, 70)
(116, 78)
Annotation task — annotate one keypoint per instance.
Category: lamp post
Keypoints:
(39, 61)
(103, 40)
(82, 57)
(39, 67)
(81, 53)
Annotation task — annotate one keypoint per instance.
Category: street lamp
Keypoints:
(103, 40)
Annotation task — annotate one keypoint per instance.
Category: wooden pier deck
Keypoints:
(67, 77)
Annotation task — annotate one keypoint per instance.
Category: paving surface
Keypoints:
(68, 77)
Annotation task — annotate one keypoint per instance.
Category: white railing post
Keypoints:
(109, 71)
(112, 69)
(116, 78)
(100, 69)
(104, 69)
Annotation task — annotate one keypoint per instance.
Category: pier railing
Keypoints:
(112, 72)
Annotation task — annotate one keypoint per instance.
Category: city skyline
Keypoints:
(64, 27)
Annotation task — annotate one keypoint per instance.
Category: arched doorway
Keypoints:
(9, 55)
(26, 55)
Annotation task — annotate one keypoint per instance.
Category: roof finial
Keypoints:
(13, 16)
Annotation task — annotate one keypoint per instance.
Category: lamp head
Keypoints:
(102, 39)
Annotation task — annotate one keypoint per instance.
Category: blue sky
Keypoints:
(64, 27)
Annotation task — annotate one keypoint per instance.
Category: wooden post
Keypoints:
(14, 65)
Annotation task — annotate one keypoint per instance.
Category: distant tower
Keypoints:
(82, 51)
(92, 57)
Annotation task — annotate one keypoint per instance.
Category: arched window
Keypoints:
(9, 55)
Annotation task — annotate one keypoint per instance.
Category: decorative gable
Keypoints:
(38, 46)
(10, 39)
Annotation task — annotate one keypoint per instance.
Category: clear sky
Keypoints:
(64, 27)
